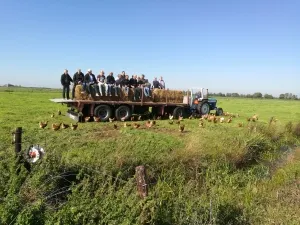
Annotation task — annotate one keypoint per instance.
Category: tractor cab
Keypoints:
(201, 104)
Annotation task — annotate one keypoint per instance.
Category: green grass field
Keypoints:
(216, 174)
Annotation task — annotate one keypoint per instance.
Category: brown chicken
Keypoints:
(43, 124)
(87, 119)
(96, 119)
(127, 124)
(132, 118)
(177, 122)
(136, 125)
(181, 128)
(201, 124)
(180, 118)
(55, 126)
(240, 124)
(115, 126)
(74, 126)
(229, 120)
(64, 126)
(148, 124)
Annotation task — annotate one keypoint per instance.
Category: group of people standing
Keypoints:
(104, 85)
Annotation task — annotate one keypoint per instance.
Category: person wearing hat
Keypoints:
(89, 82)
(65, 81)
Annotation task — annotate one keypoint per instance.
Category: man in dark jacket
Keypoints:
(110, 81)
(65, 81)
(89, 83)
(126, 84)
(77, 79)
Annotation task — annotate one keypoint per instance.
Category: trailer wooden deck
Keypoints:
(148, 103)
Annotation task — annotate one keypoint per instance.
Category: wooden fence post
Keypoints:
(140, 174)
(18, 140)
(18, 147)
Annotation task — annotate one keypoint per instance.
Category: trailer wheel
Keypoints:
(219, 112)
(103, 112)
(178, 111)
(123, 112)
(203, 108)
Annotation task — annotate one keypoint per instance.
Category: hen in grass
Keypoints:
(56, 126)
(181, 128)
(43, 124)
(74, 126)
(64, 126)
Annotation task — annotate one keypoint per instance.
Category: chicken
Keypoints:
(132, 118)
(58, 112)
(177, 122)
(153, 122)
(181, 128)
(201, 119)
(52, 115)
(171, 121)
(205, 116)
(249, 119)
(74, 126)
(148, 124)
(136, 125)
(139, 118)
(215, 120)
(55, 126)
(111, 119)
(240, 124)
(222, 119)
(229, 120)
(64, 126)
(201, 124)
(191, 117)
(127, 124)
(171, 117)
(254, 117)
(123, 119)
(87, 119)
(96, 118)
(158, 118)
(180, 118)
(43, 124)
(115, 126)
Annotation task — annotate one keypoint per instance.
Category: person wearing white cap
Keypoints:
(90, 80)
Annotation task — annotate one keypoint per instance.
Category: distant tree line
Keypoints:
(255, 95)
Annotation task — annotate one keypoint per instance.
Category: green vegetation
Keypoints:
(218, 174)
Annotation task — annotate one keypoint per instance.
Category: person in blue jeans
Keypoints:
(110, 81)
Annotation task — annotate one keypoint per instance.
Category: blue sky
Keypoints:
(229, 46)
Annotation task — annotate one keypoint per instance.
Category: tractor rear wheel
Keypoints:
(203, 108)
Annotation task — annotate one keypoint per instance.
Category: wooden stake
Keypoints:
(140, 175)
(18, 140)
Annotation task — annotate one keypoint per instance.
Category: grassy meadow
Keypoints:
(217, 174)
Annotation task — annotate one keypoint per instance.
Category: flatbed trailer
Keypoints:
(112, 107)
(122, 110)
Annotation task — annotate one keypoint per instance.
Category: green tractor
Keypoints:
(201, 104)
